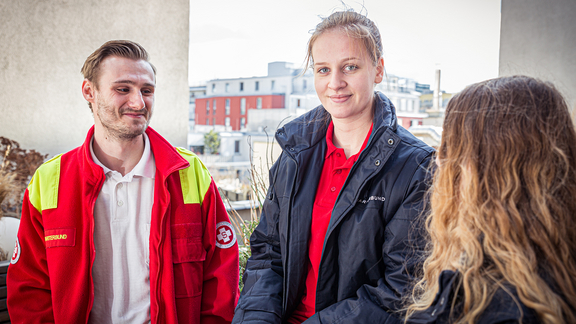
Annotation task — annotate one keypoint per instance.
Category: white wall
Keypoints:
(538, 38)
(43, 45)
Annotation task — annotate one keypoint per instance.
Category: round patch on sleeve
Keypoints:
(16, 255)
(225, 236)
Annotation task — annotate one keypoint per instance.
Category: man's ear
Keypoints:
(88, 90)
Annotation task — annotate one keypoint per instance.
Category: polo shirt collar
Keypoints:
(331, 148)
(330, 140)
(146, 167)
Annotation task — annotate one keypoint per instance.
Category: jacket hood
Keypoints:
(310, 128)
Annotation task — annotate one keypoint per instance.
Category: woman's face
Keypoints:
(344, 75)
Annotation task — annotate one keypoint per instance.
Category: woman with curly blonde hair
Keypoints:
(503, 222)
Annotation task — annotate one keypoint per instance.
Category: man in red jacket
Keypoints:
(125, 228)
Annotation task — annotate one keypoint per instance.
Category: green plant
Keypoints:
(259, 187)
(212, 142)
(246, 228)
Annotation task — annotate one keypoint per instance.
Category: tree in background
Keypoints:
(212, 142)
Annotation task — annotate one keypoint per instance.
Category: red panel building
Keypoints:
(232, 111)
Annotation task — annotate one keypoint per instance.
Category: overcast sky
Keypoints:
(238, 38)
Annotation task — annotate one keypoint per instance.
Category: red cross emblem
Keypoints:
(17, 251)
(225, 236)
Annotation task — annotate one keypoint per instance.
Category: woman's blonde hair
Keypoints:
(504, 200)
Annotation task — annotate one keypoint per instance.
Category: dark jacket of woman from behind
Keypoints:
(372, 243)
(505, 306)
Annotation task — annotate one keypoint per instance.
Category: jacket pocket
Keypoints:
(188, 256)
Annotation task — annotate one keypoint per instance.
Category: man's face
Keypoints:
(123, 99)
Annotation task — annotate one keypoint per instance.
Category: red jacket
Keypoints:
(193, 253)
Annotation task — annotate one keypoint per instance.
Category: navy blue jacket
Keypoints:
(373, 240)
(502, 309)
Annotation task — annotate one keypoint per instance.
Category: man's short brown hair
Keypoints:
(120, 48)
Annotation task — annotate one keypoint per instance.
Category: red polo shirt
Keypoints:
(334, 173)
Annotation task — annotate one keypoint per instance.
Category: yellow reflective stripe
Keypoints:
(195, 179)
(43, 188)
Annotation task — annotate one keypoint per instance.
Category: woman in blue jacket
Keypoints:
(503, 224)
(338, 238)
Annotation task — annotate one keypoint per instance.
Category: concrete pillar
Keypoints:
(538, 38)
(45, 43)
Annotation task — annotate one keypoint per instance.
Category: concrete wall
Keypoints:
(538, 38)
(43, 45)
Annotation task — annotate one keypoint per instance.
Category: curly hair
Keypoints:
(503, 200)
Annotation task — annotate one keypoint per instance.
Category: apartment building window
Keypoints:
(304, 84)
(207, 121)
(214, 121)
(226, 87)
(298, 103)
(273, 84)
(236, 146)
(243, 106)
(242, 122)
(213, 87)
(259, 103)
(214, 106)
(241, 86)
(227, 121)
(227, 106)
(257, 86)
(207, 107)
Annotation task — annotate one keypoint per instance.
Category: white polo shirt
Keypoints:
(122, 216)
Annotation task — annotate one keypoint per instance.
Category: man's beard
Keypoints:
(112, 122)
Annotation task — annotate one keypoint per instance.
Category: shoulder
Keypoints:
(43, 187)
(193, 159)
(385, 116)
(409, 157)
(49, 168)
(195, 179)
(305, 131)
(506, 306)
(412, 156)
(411, 142)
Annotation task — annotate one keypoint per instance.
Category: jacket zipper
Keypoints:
(329, 231)
(161, 241)
(92, 249)
(354, 167)
(160, 263)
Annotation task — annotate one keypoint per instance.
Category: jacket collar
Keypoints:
(166, 157)
(310, 128)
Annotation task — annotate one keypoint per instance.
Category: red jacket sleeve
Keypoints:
(29, 296)
(220, 289)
